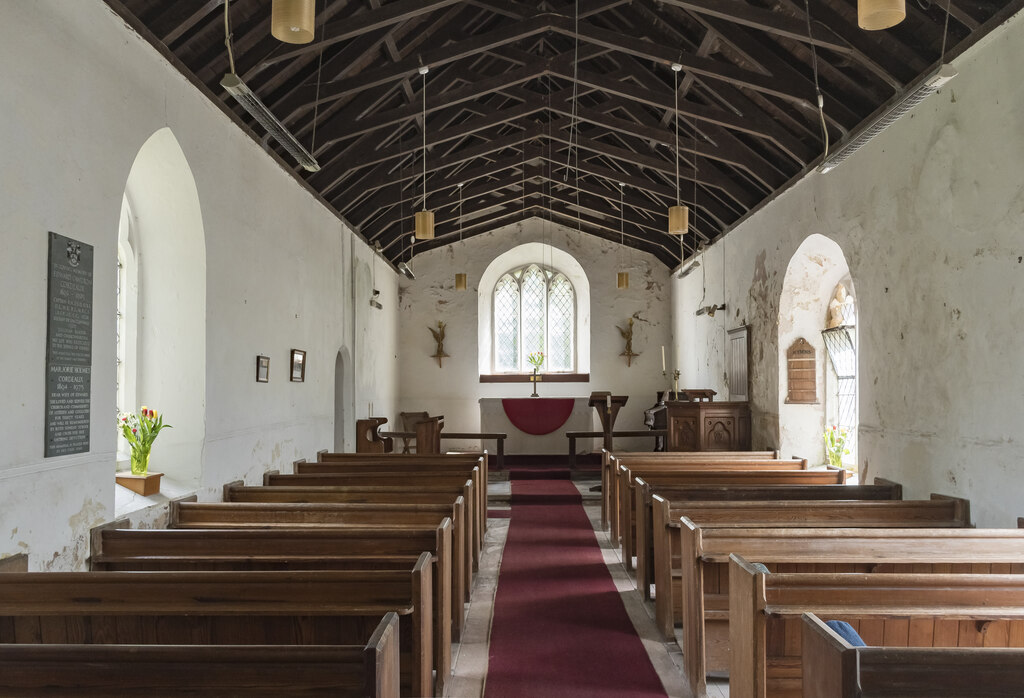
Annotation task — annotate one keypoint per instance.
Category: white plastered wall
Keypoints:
(930, 217)
(454, 390)
(79, 96)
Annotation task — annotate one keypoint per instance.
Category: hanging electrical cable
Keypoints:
(817, 86)
(622, 278)
(678, 215)
(460, 277)
(424, 217)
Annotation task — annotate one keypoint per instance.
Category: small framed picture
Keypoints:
(298, 365)
(262, 369)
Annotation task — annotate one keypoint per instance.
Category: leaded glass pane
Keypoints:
(561, 320)
(506, 325)
(534, 292)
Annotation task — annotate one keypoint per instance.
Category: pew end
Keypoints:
(963, 507)
(897, 488)
(829, 661)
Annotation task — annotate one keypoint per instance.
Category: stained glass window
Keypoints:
(534, 310)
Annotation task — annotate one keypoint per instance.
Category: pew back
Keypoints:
(223, 608)
(352, 671)
(901, 610)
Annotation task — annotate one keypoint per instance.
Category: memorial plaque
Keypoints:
(68, 346)
(802, 372)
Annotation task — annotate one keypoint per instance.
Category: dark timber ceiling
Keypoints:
(501, 113)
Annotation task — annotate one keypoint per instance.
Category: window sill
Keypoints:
(127, 502)
(525, 377)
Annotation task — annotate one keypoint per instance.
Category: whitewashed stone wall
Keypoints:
(930, 216)
(79, 96)
(454, 389)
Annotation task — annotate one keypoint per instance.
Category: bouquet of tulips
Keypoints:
(536, 359)
(141, 430)
(835, 445)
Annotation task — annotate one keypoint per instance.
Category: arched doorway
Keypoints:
(344, 411)
(166, 320)
(815, 273)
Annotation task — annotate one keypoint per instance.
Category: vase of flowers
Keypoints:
(536, 359)
(141, 430)
(835, 445)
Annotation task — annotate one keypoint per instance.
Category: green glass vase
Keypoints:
(140, 461)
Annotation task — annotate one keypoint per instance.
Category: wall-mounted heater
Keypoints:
(258, 110)
(908, 101)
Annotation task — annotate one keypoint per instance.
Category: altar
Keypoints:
(536, 425)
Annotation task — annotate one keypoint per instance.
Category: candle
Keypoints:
(608, 401)
(662, 358)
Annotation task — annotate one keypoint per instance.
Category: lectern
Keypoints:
(607, 406)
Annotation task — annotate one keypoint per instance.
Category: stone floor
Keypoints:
(470, 656)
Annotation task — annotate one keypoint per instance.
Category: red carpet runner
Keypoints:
(560, 628)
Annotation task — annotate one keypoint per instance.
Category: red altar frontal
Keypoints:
(536, 425)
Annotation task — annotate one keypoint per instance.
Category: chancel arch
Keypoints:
(813, 277)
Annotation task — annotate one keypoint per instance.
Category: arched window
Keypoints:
(534, 311)
(127, 321)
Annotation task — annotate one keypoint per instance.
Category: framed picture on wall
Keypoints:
(298, 365)
(262, 369)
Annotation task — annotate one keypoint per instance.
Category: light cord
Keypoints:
(817, 86)
(424, 73)
(575, 92)
(227, 35)
(678, 197)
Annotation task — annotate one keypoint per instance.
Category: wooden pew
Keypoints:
(398, 462)
(894, 609)
(224, 608)
(214, 671)
(609, 463)
(624, 469)
(370, 494)
(320, 548)
(451, 478)
(706, 551)
(785, 473)
(832, 668)
(696, 576)
(266, 514)
(646, 533)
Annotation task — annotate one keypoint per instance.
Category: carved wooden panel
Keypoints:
(683, 433)
(708, 426)
(801, 373)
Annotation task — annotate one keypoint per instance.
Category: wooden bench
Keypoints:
(320, 548)
(455, 477)
(646, 534)
(224, 608)
(894, 609)
(832, 668)
(215, 671)
(698, 584)
(573, 436)
(357, 462)
(405, 493)
(609, 458)
(640, 465)
(263, 514)
(786, 472)
(860, 550)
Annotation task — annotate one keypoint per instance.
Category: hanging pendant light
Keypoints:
(424, 219)
(291, 21)
(678, 215)
(622, 278)
(880, 14)
(460, 277)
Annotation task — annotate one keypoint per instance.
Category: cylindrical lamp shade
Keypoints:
(623, 279)
(292, 21)
(424, 225)
(880, 14)
(678, 220)
(460, 282)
